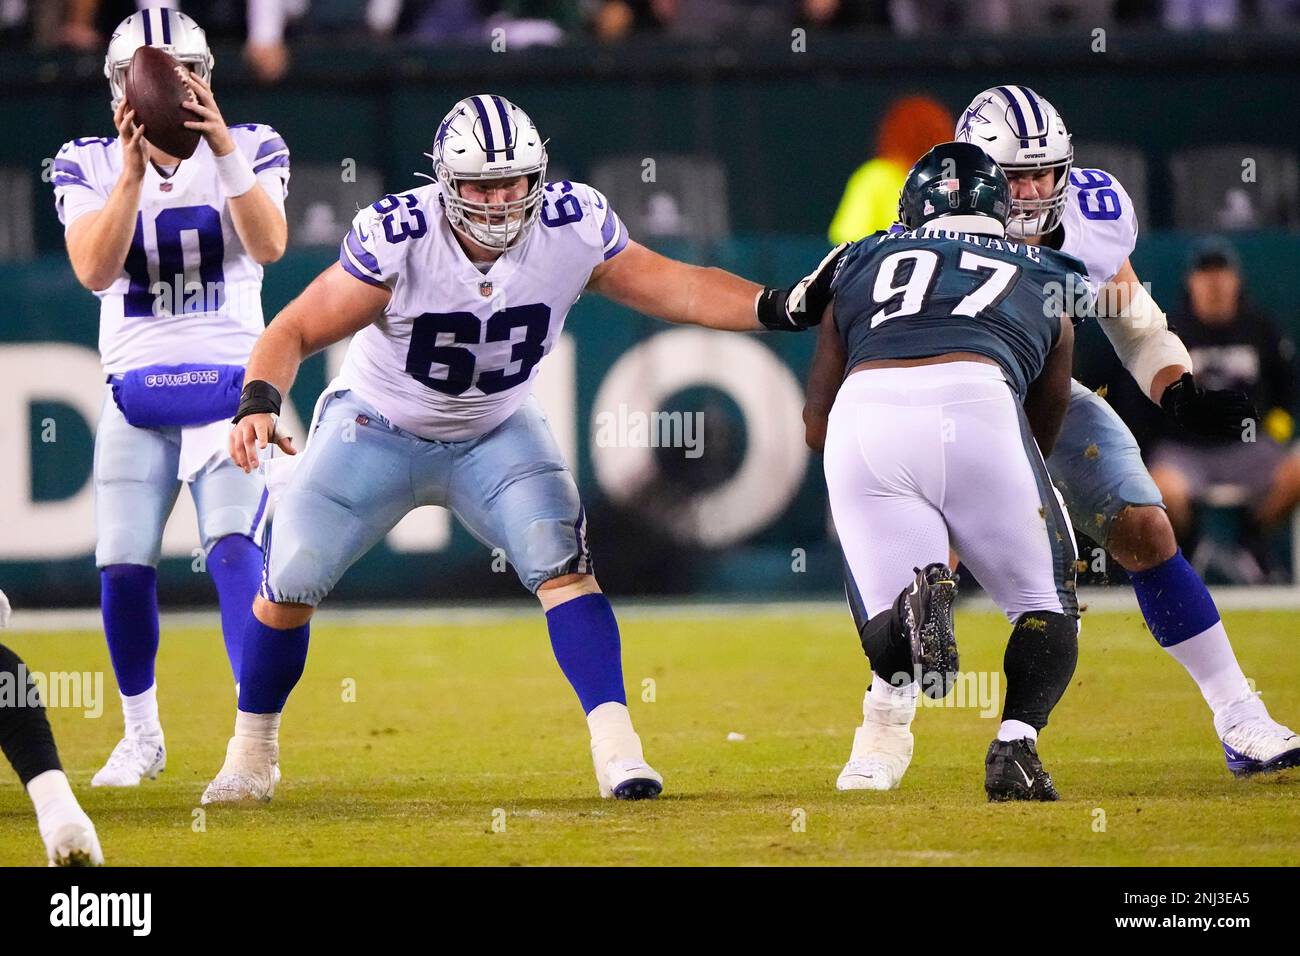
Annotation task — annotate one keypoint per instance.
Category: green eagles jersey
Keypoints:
(921, 293)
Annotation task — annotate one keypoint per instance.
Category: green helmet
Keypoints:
(954, 179)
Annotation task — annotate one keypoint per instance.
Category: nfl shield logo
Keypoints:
(165, 187)
(485, 289)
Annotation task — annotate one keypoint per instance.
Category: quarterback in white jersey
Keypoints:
(174, 251)
(1096, 463)
(453, 293)
(188, 287)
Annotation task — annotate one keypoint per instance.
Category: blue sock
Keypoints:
(273, 661)
(129, 603)
(584, 636)
(1174, 601)
(235, 564)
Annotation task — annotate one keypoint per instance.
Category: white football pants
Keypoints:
(919, 460)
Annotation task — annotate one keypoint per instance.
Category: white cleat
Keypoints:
(629, 780)
(882, 746)
(74, 844)
(881, 754)
(1252, 741)
(132, 760)
(621, 769)
(251, 771)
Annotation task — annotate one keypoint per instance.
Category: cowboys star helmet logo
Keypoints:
(973, 116)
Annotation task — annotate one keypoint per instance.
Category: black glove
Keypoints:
(797, 308)
(1205, 413)
(258, 397)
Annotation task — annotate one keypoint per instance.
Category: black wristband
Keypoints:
(771, 312)
(258, 398)
(1178, 392)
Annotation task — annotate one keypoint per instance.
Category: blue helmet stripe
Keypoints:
(505, 127)
(148, 27)
(1022, 130)
(1032, 97)
(166, 15)
(489, 143)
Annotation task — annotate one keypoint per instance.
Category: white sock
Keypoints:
(140, 713)
(885, 694)
(264, 727)
(1016, 730)
(1209, 659)
(611, 728)
(892, 705)
(54, 801)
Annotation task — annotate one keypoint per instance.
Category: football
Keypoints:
(156, 93)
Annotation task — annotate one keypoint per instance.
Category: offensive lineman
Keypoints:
(1108, 491)
(941, 332)
(174, 251)
(454, 292)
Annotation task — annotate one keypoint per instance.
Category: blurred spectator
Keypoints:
(912, 17)
(266, 52)
(526, 23)
(690, 20)
(839, 14)
(1200, 14)
(1233, 345)
(911, 125)
(79, 31)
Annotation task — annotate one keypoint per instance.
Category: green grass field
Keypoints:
(456, 728)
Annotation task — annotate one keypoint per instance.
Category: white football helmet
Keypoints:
(487, 137)
(1023, 133)
(161, 27)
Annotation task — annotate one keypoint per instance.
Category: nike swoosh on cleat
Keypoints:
(1028, 782)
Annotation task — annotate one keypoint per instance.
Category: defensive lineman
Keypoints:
(1097, 464)
(455, 292)
(940, 332)
(174, 251)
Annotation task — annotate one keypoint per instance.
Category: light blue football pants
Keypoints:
(360, 475)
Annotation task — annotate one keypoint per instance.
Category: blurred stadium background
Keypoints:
(724, 133)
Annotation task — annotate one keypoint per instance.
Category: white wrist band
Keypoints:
(235, 173)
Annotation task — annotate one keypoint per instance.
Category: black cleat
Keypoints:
(639, 788)
(927, 617)
(1012, 771)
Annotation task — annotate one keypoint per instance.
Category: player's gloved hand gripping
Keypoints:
(255, 425)
(1207, 413)
(799, 307)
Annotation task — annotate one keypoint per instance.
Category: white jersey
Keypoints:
(456, 350)
(1099, 226)
(188, 292)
